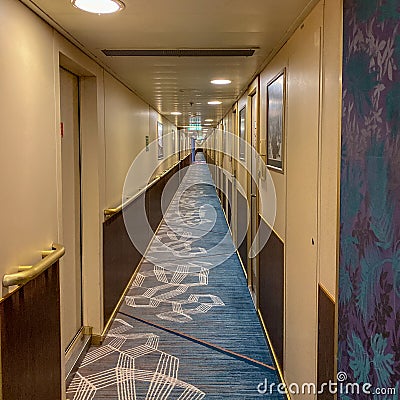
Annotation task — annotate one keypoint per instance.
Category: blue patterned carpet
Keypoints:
(187, 328)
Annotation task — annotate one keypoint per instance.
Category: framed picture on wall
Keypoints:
(160, 141)
(242, 134)
(276, 94)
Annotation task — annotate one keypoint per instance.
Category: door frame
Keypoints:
(233, 157)
(77, 152)
(306, 313)
(253, 198)
(92, 144)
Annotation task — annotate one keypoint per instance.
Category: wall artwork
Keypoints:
(369, 266)
(160, 141)
(275, 121)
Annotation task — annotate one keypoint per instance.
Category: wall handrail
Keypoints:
(27, 273)
(109, 212)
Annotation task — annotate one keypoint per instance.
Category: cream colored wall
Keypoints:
(28, 177)
(170, 146)
(329, 143)
(114, 123)
(279, 179)
(301, 246)
(126, 127)
(227, 164)
(241, 174)
(330, 148)
(233, 149)
(153, 119)
(301, 316)
(128, 120)
(31, 159)
(323, 92)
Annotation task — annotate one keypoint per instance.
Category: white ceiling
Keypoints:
(172, 83)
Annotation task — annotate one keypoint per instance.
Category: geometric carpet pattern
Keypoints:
(172, 285)
(141, 369)
(187, 328)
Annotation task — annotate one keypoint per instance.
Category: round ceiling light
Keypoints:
(221, 82)
(215, 102)
(99, 6)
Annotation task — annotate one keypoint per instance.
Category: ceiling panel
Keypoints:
(182, 83)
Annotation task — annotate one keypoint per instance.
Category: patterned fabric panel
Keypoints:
(369, 288)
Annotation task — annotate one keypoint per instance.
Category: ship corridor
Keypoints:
(200, 199)
(187, 327)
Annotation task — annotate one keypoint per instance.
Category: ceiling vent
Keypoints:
(180, 53)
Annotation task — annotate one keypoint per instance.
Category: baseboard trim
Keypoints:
(97, 340)
(76, 352)
(278, 367)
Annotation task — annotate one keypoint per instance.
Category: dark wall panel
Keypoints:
(223, 194)
(153, 204)
(241, 218)
(138, 221)
(30, 340)
(326, 342)
(229, 202)
(172, 181)
(272, 288)
(120, 256)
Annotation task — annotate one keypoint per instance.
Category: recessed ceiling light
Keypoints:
(209, 120)
(215, 102)
(221, 82)
(99, 6)
(207, 124)
(176, 113)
